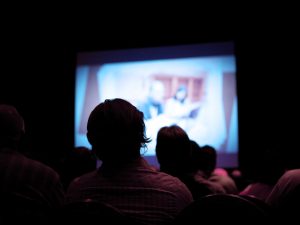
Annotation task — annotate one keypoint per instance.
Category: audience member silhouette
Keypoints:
(240, 180)
(207, 161)
(269, 167)
(285, 196)
(22, 178)
(199, 162)
(116, 132)
(77, 162)
(173, 153)
(173, 150)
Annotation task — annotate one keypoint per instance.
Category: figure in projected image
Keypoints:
(179, 109)
(153, 105)
(209, 126)
(153, 109)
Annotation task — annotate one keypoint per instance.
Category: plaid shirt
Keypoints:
(137, 190)
(21, 175)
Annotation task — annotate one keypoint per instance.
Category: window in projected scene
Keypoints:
(196, 93)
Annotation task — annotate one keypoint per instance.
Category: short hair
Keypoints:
(208, 158)
(173, 148)
(116, 129)
(11, 126)
(195, 155)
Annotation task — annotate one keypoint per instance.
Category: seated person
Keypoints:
(20, 175)
(269, 167)
(173, 153)
(116, 131)
(77, 162)
(285, 196)
(206, 159)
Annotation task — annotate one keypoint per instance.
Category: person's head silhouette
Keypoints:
(173, 149)
(29, 187)
(116, 131)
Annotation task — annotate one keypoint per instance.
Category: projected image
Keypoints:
(196, 93)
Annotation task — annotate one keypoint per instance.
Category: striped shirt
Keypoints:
(137, 190)
(30, 178)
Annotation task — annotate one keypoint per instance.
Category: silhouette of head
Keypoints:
(77, 162)
(82, 160)
(195, 155)
(207, 159)
(173, 149)
(116, 131)
(11, 126)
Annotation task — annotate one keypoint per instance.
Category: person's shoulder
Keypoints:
(41, 167)
(292, 173)
(34, 166)
(220, 178)
(170, 181)
(290, 177)
(85, 178)
(175, 186)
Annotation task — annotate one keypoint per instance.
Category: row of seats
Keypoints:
(213, 208)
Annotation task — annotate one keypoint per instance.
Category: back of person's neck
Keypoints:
(111, 167)
(119, 162)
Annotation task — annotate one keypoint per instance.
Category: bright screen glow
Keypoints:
(193, 86)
